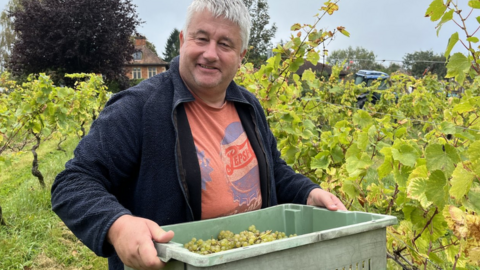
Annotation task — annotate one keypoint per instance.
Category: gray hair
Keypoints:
(233, 10)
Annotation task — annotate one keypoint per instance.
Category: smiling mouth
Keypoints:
(207, 67)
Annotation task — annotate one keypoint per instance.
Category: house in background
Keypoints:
(145, 63)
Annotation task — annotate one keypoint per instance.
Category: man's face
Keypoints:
(210, 54)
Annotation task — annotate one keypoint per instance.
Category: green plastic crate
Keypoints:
(325, 240)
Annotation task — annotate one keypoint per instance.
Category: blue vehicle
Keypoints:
(368, 77)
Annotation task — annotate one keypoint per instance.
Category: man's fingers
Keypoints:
(165, 237)
(158, 234)
(336, 204)
(148, 256)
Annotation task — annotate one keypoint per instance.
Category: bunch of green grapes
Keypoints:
(227, 240)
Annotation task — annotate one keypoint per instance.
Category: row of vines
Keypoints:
(413, 154)
(37, 110)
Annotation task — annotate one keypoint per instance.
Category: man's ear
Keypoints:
(180, 36)
(242, 56)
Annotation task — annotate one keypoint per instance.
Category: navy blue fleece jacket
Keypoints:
(128, 164)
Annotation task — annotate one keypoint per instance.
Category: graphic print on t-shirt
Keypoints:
(241, 166)
(230, 177)
(205, 168)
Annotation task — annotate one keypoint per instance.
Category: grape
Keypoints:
(227, 240)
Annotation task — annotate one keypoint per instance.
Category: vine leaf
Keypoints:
(474, 154)
(406, 154)
(313, 57)
(387, 165)
(465, 226)
(362, 119)
(330, 7)
(472, 201)
(321, 160)
(435, 10)
(461, 182)
(436, 193)
(350, 188)
(362, 140)
(451, 43)
(438, 159)
(343, 31)
(458, 66)
(416, 190)
(296, 27)
(464, 106)
(357, 161)
(448, 16)
(474, 4)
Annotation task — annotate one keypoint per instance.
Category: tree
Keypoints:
(152, 47)
(356, 59)
(7, 34)
(421, 62)
(392, 67)
(260, 34)
(74, 36)
(172, 48)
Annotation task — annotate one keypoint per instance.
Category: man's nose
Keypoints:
(210, 52)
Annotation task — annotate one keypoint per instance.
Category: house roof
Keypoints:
(149, 58)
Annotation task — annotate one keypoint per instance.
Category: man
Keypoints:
(185, 145)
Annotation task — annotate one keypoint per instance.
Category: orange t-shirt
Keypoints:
(229, 167)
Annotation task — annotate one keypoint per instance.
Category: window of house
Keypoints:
(152, 71)
(137, 73)
(137, 55)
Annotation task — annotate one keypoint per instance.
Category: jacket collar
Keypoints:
(182, 94)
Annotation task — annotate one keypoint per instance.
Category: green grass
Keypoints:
(35, 238)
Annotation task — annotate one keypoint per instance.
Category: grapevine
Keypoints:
(415, 157)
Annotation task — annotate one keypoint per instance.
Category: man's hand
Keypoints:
(322, 198)
(132, 238)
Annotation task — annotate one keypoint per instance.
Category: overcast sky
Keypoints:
(389, 28)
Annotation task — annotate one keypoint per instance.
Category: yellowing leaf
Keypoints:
(330, 8)
(461, 181)
(419, 172)
(474, 4)
(463, 225)
(435, 10)
(296, 27)
(416, 190)
(342, 30)
(474, 154)
(313, 57)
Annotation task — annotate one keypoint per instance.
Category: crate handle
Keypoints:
(163, 250)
